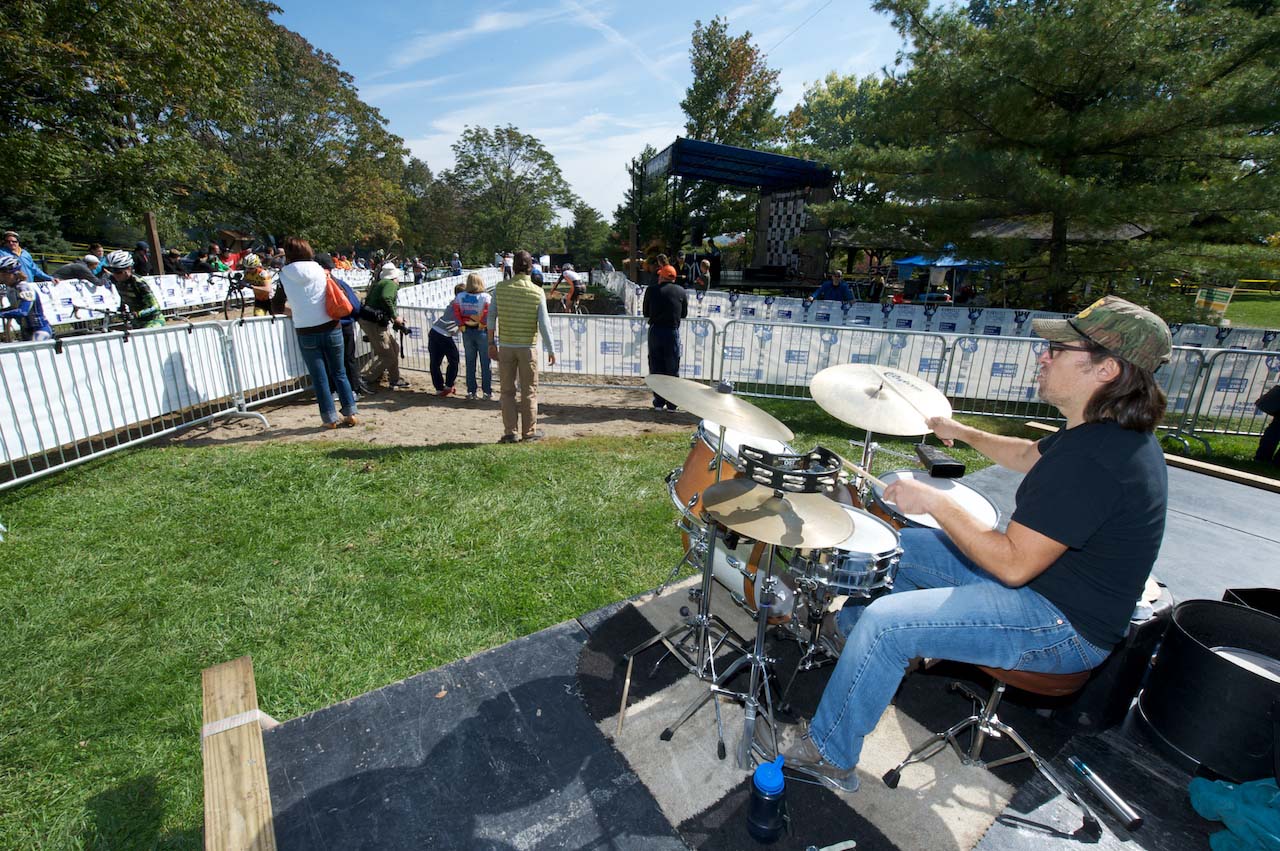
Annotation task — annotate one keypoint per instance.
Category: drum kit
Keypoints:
(788, 534)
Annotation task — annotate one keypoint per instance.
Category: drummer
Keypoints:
(1055, 592)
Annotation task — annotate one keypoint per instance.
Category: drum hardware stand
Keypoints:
(759, 663)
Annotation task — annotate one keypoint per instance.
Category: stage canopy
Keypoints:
(737, 166)
(946, 261)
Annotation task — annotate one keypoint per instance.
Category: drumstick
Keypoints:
(861, 472)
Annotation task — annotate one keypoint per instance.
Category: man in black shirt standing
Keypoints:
(664, 305)
(1053, 593)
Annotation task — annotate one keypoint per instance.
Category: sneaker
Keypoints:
(508, 438)
(535, 435)
(400, 384)
(448, 391)
(471, 397)
(657, 406)
(805, 758)
(671, 407)
(488, 397)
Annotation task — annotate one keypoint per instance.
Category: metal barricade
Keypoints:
(1232, 379)
(265, 359)
(779, 361)
(995, 377)
(69, 401)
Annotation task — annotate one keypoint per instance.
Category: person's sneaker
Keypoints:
(535, 435)
(657, 406)
(488, 397)
(471, 397)
(508, 438)
(805, 758)
(448, 391)
(398, 385)
(671, 407)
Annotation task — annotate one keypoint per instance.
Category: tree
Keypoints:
(642, 204)
(587, 237)
(730, 101)
(509, 186)
(1081, 121)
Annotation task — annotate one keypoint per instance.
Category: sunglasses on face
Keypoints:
(1056, 348)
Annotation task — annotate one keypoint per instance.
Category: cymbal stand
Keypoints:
(710, 631)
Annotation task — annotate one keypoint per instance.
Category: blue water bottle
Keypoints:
(767, 809)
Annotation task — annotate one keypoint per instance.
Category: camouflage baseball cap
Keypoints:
(1121, 327)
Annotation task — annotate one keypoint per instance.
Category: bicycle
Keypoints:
(565, 307)
(234, 301)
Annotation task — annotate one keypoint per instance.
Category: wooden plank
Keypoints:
(237, 798)
(1240, 477)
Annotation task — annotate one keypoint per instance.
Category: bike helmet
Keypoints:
(568, 267)
(9, 263)
(120, 260)
(251, 261)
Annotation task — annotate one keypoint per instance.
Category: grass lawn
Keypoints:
(340, 568)
(1255, 310)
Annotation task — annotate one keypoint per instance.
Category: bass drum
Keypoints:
(982, 509)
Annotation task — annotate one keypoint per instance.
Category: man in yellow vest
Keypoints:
(516, 317)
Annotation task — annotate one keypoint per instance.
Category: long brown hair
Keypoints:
(1133, 400)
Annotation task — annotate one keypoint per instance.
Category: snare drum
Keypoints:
(699, 470)
(982, 509)
(736, 570)
(866, 561)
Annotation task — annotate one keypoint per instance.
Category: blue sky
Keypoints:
(594, 80)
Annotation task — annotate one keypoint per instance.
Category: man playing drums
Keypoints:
(1052, 594)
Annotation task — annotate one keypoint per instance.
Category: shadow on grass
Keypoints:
(131, 815)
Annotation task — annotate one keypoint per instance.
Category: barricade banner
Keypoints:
(994, 368)
(1180, 377)
(1233, 380)
(618, 346)
(104, 386)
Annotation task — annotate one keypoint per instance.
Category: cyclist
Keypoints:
(134, 294)
(575, 287)
(25, 301)
(257, 278)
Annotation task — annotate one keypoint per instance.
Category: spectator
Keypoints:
(664, 306)
(173, 262)
(441, 346)
(79, 270)
(516, 316)
(606, 266)
(377, 321)
(303, 286)
(535, 272)
(418, 271)
(30, 271)
(98, 265)
(703, 279)
(25, 300)
(472, 310)
(141, 259)
(201, 264)
(216, 259)
(137, 302)
(1269, 403)
(507, 272)
(834, 288)
(455, 265)
(347, 325)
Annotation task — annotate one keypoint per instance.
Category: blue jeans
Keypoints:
(943, 606)
(475, 342)
(323, 355)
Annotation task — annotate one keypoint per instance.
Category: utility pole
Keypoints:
(153, 240)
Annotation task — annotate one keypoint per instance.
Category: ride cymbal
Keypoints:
(879, 399)
(723, 407)
(803, 520)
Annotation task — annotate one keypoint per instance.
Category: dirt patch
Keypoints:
(418, 417)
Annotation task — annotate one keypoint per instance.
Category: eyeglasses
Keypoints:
(1056, 348)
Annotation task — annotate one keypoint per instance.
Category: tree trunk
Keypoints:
(1058, 284)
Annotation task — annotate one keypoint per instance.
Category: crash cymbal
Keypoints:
(879, 399)
(710, 403)
(805, 520)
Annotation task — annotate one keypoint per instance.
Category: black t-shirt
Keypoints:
(665, 304)
(1102, 491)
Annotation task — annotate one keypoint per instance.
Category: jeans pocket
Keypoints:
(1061, 657)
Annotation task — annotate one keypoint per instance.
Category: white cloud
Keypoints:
(425, 44)
(590, 19)
(379, 91)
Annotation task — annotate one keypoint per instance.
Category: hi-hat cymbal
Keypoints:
(726, 409)
(879, 399)
(804, 520)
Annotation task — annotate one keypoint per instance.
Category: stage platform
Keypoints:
(507, 749)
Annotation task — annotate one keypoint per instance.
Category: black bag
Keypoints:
(1269, 402)
(374, 315)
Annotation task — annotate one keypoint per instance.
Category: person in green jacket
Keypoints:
(136, 296)
(381, 299)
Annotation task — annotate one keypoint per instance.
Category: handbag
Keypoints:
(335, 300)
(1269, 402)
